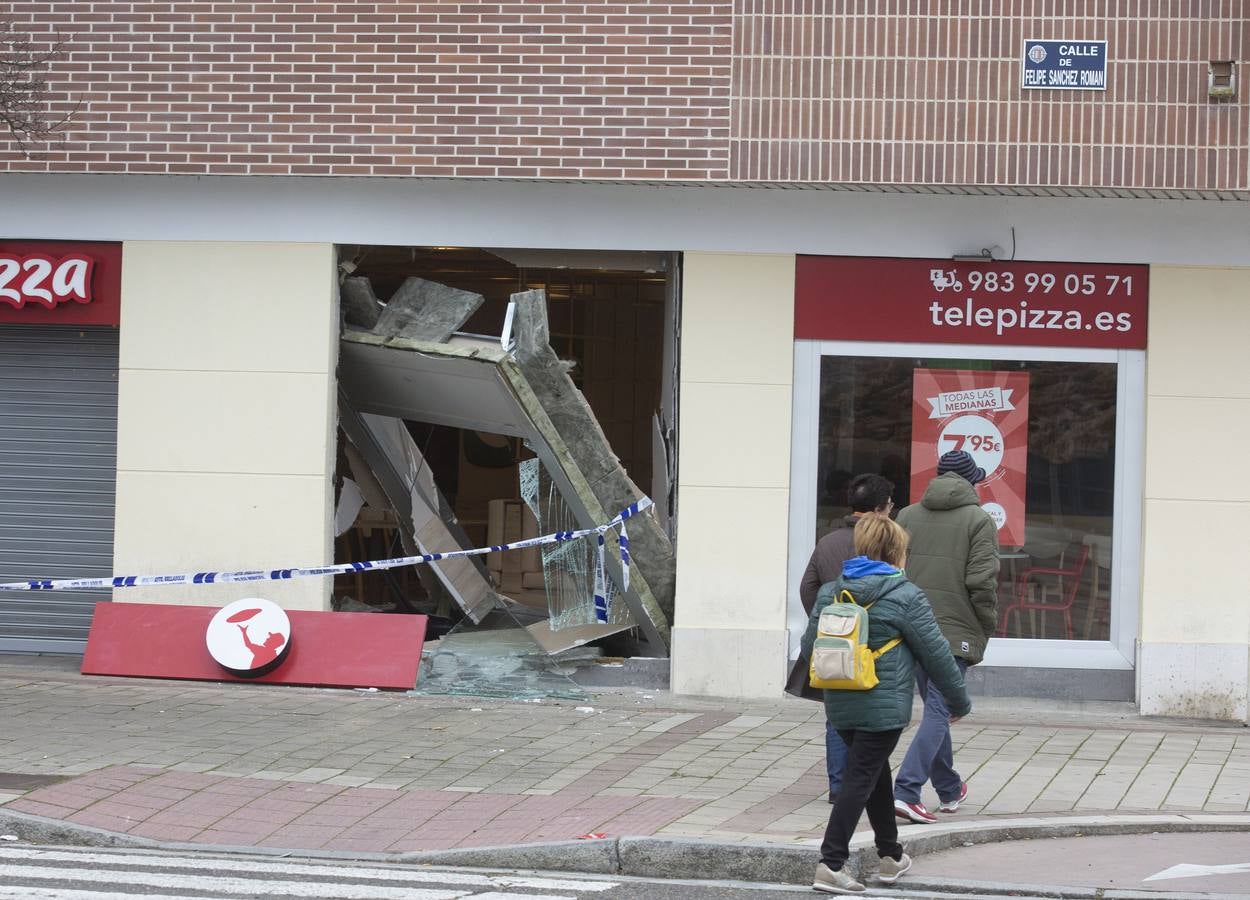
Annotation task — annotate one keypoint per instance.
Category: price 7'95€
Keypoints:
(974, 442)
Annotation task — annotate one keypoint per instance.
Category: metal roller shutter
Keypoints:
(58, 474)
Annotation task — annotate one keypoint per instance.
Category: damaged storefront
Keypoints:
(380, 402)
(295, 404)
(490, 398)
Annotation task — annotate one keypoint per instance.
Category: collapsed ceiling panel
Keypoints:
(475, 384)
(453, 383)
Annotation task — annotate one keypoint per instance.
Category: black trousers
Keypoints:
(866, 784)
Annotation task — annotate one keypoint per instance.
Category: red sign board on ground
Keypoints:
(327, 649)
(945, 301)
(60, 283)
(985, 414)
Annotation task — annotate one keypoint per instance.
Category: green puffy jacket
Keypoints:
(953, 558)
(899, 609)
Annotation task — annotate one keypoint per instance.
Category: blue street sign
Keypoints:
(1065, 65)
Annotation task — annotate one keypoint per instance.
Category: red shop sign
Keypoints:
(60, 283)
(945, 301)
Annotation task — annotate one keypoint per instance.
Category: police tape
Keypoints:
(558, 537)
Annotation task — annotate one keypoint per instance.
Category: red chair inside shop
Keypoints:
(1062, 579)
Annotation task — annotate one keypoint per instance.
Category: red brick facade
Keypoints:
(885, 92)
(512, 90)
(878, 92)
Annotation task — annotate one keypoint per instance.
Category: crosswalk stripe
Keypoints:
(265, 867)
(241, 886)
(25, 892)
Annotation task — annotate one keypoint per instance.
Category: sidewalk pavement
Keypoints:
(305, 769)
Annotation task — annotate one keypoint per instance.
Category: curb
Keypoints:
(692, 858)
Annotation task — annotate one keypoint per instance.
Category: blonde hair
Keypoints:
(880, 537)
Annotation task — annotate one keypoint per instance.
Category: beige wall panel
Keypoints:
(250, 422)
(1196, 449)
(1199, 318)
(735, 435)
(737, 369)
(729, 662)
(226, 416)
(737, 314)
(227, 307)
(731, 558)
(1189, 560)
(1195, 681)
(173, 522)
(1195, 619)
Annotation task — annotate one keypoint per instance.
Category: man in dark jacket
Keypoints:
(954, 560)
(865, 494)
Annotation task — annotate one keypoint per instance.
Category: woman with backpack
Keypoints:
(902, 628)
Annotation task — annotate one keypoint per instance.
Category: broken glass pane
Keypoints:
(569, 567)
(497, 658)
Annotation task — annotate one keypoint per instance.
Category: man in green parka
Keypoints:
(954, 560)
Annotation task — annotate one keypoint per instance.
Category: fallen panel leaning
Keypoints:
(405, 479)
(474, 383)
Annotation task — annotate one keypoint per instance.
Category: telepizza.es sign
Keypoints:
(60, 283)
(947, 301)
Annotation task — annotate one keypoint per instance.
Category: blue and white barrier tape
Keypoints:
(124, 581)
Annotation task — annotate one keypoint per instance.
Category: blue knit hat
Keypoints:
(961, 463)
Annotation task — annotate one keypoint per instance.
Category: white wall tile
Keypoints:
(173, 522)
(1199, 318)
(1190, 557)
(731, 558)
(735, 435)
(728, 662)
(1195, 681)
(248, 307)
(250, 422)
(737, 317)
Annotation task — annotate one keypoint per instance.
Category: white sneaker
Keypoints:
(950, 806)
(838, 882)
(892, 868)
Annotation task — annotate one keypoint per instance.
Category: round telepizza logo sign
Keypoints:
(249, 638)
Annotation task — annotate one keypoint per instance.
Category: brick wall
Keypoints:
(885, 92)
(876, 92)
(523, 89)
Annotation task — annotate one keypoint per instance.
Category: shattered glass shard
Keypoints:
(498, 658)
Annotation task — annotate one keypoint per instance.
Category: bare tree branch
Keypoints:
(24, 106)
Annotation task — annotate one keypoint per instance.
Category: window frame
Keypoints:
(1119, 652)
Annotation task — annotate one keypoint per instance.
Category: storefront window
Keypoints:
(1051, 481)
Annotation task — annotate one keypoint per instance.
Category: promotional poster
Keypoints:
(985, 413)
